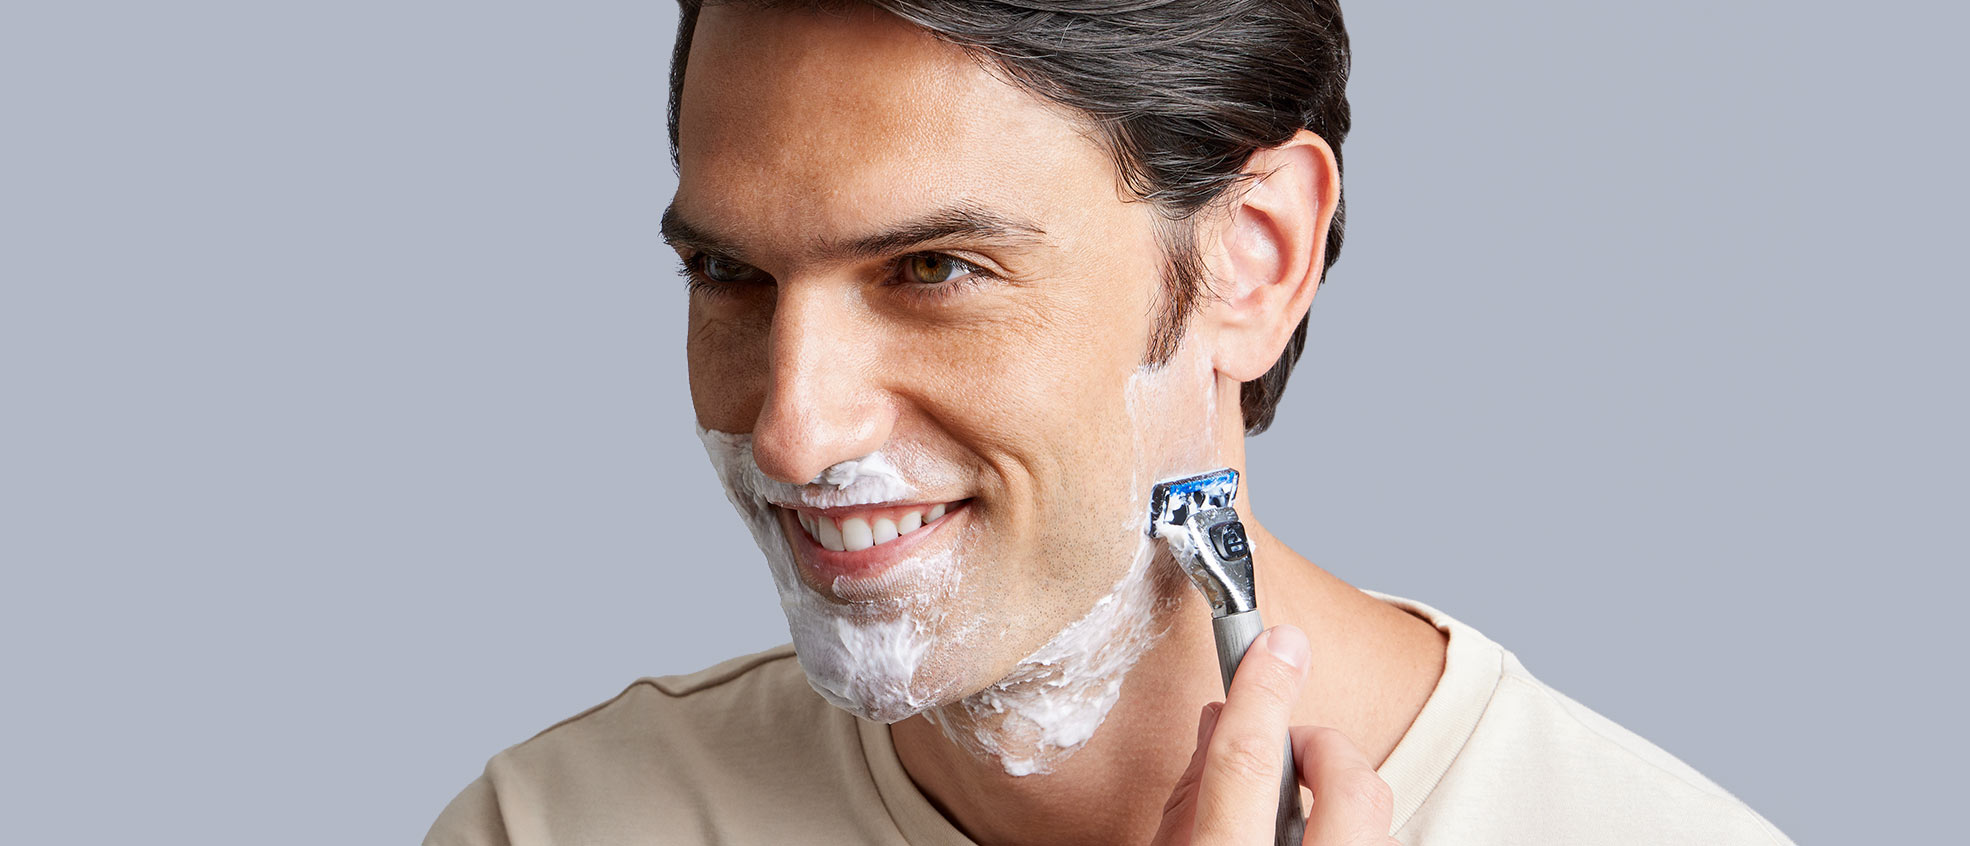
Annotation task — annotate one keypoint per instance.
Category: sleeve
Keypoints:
(472, 819)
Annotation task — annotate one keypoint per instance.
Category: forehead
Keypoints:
(797, 124)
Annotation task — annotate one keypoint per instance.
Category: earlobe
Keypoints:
(1268, 253)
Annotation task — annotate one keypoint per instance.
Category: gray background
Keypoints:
(346, 440)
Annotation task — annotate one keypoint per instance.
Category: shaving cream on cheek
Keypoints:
(869, 658)
(865, 657)
(1055, 699)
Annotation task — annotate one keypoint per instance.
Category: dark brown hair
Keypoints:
(1184, 92)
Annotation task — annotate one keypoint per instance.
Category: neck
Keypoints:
(1374, 666)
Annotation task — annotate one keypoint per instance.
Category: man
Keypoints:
(966, 280)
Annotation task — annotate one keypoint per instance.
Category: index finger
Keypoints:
(1238, 798)
(1352, 805)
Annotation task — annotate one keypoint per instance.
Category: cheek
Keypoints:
(1032, 400)
(726, 353)
(1051, 356)
(1045, 403)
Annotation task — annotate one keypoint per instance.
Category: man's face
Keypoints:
(897, 252)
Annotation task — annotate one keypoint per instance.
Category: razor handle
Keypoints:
(1226, 554)
(1235, 633)
(1219, 562)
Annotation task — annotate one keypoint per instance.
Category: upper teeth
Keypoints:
(858, 533)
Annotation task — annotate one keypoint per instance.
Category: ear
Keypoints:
(1265, 251)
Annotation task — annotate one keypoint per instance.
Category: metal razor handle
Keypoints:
(1217, 556)
(1235, 633)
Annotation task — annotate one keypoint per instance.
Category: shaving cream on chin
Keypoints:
(885, 659)
(866, 658)
(1055, 699)
(1050, 705)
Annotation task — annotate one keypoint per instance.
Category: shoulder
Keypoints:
(1498, 756)
(671, 718)
(683, 755)
(1570, 774)
(1537, 705)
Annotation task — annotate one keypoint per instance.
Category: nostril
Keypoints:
(783, 454)
(816, 419)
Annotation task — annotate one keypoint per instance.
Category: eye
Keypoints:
(935, 269)
(726, 271)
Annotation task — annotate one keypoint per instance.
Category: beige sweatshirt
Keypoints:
(746, 752)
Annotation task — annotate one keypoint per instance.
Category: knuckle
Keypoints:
(1367, 791)
(1245, 760)
(1324, 735)
(1319, 740)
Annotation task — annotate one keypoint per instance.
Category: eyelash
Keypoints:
(694, 279)
(698, 283)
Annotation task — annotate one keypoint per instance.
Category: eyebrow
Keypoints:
(965, 220)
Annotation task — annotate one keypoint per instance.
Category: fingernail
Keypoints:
(1289, 644)
(1206, 720)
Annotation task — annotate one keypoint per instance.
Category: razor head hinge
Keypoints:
(1220, 561)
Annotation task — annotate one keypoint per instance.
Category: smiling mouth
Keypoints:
(858, 528)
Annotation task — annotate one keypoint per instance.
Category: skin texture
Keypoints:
(801, 133)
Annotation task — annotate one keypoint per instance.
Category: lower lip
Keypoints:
(824, 566)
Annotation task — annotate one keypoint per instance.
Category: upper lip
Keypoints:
(841, 511)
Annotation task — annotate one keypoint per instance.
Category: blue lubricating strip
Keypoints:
(1173, 502)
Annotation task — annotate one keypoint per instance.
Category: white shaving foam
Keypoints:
(867, 654)
(1052, 703)
(862, 656)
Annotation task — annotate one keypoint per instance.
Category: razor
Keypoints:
(1193, 515)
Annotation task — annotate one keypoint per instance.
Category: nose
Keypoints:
(824, 402)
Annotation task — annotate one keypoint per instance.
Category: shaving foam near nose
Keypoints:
(863, 657)
(874, 659)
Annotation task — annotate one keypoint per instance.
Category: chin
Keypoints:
(885, 663)
(885, 649)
